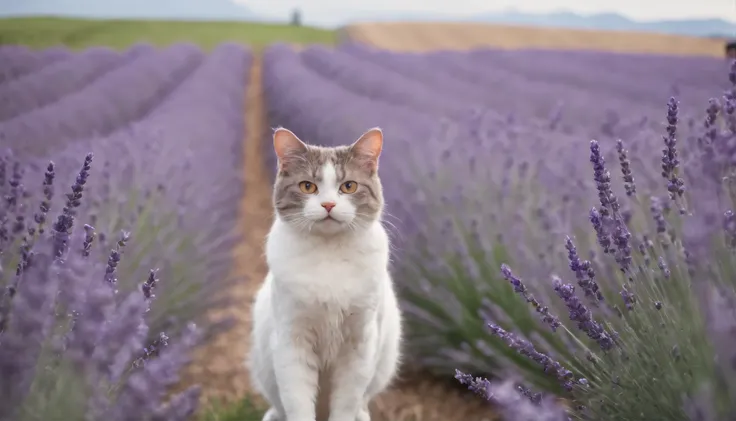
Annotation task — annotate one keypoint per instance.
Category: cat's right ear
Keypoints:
(287, 146)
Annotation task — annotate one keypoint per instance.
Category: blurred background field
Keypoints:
(488, 120)
(427, 36)
(83, 33)
(43, 32)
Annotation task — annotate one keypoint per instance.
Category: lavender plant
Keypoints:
(52, 82)
(18, 61)
(107, 105)
(156, 180)
(72, 346)
(652, 323)
(486, 168)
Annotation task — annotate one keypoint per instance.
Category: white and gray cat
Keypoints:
(326, 322)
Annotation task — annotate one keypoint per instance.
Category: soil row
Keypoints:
(218, 366)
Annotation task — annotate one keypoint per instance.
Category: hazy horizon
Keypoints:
(334, 12)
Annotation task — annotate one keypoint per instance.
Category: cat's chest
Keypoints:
(339, 273)
(331, 279)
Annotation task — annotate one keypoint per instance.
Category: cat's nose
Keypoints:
(328, 206)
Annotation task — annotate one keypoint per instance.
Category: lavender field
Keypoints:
(108, 188)
(562, 223)
(528, 159)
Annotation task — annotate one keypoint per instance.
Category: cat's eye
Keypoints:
(307, 187)
(349, 187)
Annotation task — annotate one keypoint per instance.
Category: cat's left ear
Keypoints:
(368, 148)
(287, 146)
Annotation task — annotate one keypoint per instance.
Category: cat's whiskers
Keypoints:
(383, 221)
(299, 222)
(386, 222)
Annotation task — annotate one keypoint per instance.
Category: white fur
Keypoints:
(343, 214)
(326, 322)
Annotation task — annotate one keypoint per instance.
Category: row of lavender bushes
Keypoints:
(114, 247)
(486, 164)
(26, 61)
(651, 313)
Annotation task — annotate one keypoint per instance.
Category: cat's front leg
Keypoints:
(353, 372)
(296, 369)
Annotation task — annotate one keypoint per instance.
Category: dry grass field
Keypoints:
(426, 36)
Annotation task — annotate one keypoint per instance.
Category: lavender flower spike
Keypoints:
(628, 297)
(149, 285)
(477, 385)
(525, 348)
(520, 289)
(89, 236)
(582, 315)
(608, 201)
(114, 258)
(48, 194)
(623, 158)
(729, 228)
(65, 221)
(670, 161)
(657, 210)
(583, 272)
(514, 401)
(621, 237)
(711, 113)
(604, 240)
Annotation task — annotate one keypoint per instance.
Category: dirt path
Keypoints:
(218, 366)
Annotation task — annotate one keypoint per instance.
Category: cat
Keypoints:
(327, 327)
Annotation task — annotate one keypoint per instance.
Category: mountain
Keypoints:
(133, 9)
(612, 21)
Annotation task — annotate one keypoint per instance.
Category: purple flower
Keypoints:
(582, 315)
(711, 113)
(525, 348)
(520, 289)
(628, 297)
(609, 203)
(103, 339)
(48, 194)
(583, 272)
(657, 210)
(670, 160)
(28, 325)
(623, 159)
(114, 258)
(621, 236)
(65, 221)
(515, 401)
(477, 385)
(604, 240)
(89, 237)
(729, 228)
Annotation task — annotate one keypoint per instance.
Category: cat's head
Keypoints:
(326, 191)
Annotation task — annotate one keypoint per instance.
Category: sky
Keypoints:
(328, 12)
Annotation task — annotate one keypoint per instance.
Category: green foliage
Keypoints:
(244, 410)
(466, 272)
(664, 357)
(120, 34)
